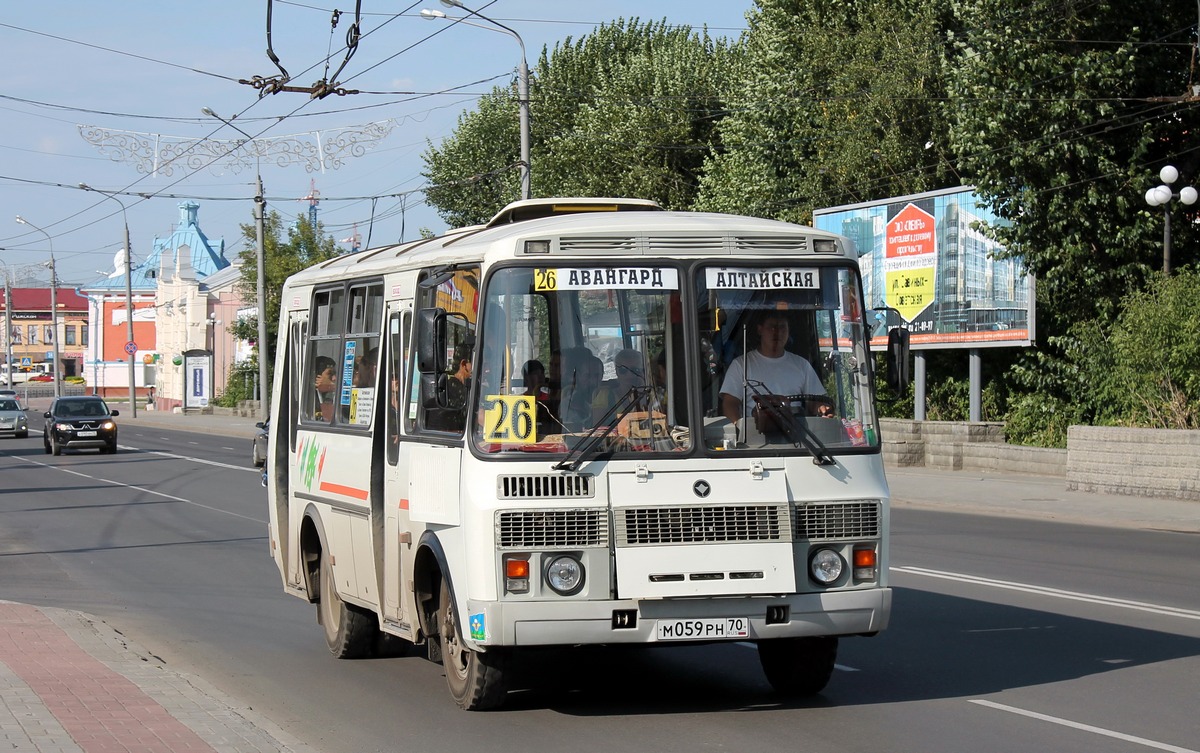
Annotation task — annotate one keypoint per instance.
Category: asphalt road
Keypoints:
(1008, 633)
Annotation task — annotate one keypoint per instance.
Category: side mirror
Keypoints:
(431, 341)
(897, 360)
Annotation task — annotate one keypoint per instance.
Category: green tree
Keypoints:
(833, 103)
(303, 246)
(1061, 113)
(628, 110)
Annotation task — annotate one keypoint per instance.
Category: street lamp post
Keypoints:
(8, 323)
(522, 82)
(259, 207)
(53, 305)
(1161, 196)
(128, 296)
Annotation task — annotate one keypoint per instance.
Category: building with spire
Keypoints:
(179, 294)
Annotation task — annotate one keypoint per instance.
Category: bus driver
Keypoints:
(771, 368)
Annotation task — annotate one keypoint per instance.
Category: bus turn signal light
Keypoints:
(516, 576)
(864, 564)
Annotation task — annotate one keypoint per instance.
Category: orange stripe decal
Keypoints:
(345, 491)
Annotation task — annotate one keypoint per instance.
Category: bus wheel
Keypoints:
(798, 666)
(350, 631)
(476, 678)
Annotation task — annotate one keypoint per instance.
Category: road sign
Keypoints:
(131, 347)
(26, 361)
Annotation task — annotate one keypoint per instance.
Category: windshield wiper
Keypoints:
(622, 408)
(797, 433)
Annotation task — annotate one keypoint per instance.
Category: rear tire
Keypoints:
(350, 631)
(477, 679)
(798, 666)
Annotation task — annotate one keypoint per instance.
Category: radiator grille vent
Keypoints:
(784, 244)
(838, 520)
(545, 486)
(688, 525)
(598, 245)
(551, 529)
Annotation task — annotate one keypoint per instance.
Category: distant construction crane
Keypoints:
(313, 199)
(354, 239)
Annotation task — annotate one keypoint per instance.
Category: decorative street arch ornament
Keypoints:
(159, 155)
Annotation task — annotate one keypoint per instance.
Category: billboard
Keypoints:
(923, 257)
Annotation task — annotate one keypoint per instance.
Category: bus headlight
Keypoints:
(564, 574)
(825, 566)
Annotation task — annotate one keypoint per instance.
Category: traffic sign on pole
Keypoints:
(131, 347)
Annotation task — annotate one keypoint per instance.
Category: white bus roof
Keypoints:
(585, 228)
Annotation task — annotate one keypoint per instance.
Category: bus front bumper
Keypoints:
(566, 622)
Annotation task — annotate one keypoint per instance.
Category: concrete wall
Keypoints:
(1112, 460)
(1140, 462)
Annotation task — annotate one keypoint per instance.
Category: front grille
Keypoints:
(545, 486)
(691, 525)
(838, 520)
(551, 529)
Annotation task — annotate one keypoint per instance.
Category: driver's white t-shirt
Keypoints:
(789, 374)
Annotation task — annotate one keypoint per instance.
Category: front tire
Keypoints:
(798, 666)
(477, 679)
(55, 447)
(350, 631)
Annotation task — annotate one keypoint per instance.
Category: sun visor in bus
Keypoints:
(535, 209)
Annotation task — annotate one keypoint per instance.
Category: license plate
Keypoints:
(712, 628)
(85, 433)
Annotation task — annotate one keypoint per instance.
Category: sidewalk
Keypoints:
(71, 684)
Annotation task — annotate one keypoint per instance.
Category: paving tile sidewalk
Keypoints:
(71, 684)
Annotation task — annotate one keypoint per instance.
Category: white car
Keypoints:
(12, 417)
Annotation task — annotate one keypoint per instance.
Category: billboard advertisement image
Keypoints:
(925, 258)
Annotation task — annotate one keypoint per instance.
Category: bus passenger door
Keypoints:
(398, 537)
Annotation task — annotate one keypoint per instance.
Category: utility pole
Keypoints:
(260, 204)
(57, 368)
(8, 324)
(128, 296)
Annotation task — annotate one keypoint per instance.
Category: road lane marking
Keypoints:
(1084, 727)
(171, 497)
(202, 461)
(1140, 606)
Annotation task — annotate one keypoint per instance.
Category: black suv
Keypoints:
(74, 422)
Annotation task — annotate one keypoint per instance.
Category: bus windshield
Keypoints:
(569, 352)
(624, 359)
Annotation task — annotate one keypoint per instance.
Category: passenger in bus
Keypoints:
(533, 373)
(458, 386)
(581, 374)
(771, 369)
(324, 384)
(365, 367)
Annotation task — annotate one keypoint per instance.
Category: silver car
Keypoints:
(12, 418)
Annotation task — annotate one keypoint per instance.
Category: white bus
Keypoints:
(581, 485)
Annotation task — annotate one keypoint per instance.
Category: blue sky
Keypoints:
(140, 71)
